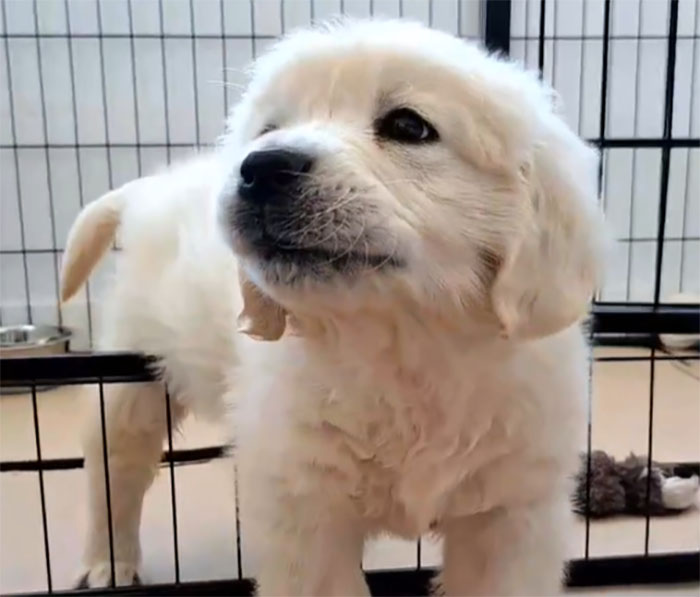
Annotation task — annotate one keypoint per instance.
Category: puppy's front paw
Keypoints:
(100, 575)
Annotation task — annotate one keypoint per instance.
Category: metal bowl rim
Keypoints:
(49, 335)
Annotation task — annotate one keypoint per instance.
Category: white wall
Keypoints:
(99, 86)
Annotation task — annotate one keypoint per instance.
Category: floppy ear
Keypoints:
(261, 317)
(552, 267)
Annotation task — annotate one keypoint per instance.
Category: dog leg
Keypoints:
(517, 551)
(136, 425)
(304, 546)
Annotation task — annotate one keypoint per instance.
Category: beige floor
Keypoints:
(206, 510)
(691, 590)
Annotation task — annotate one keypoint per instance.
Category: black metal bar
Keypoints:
(602, 122)
(554, 45)
(264, 36)
(526, 37)
(608, 318)
(686, 195)
(663, 204)
(459, 19)
(164, 67)
(640, 239)
(582, 69)
(589, 449)
(195, 88)
(633, 359)
(224, 54)
(237, 512)
(105, 106)
(686, 192)
(650, 445)
(204, 455)
(596, 320)
(540, 43)
(177, 457)
(166, 144)
(78, 159)
(76, 369)
(173, 497)
(253, 36)
(40, 251)
(497, 26)
(635, 570)
(625, 570)
(47, 161)
(134, 89)
(622, 142)
(618, 142)
(646, 239)
(103, 35)
(620, 318)
(594, 37)
(666, 151)
(18, 185)
(633, 195)
(108, 488)
(42, 491)
(631, 340)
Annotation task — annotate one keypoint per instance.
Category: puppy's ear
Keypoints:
(553, 265)
(261, 317)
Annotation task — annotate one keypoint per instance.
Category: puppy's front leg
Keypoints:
(136, 424)
(306, 546)
(519, 551)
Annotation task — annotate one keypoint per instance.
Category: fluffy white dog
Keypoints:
(418, 231)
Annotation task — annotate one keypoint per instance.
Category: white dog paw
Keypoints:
(100, 575)
(678, 493)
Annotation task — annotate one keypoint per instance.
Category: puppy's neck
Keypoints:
(406, 339)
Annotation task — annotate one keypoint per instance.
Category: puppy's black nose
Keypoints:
(272, 174)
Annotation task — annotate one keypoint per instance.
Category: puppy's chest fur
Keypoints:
(415, 441)
(405, 441)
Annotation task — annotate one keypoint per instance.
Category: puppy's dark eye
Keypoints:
(268, 128)
(406, 126)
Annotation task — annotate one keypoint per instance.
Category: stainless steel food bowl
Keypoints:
(32, 341)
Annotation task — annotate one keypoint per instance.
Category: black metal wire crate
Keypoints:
(89, 99)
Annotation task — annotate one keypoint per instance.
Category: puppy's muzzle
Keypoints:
(273, 176)
(269, 198)
(280, 216)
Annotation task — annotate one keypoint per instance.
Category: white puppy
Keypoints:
(426, 227)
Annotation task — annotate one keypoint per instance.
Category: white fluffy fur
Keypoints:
(447, 395)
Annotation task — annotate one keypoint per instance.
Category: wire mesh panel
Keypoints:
(94, 93)
(177, 542)
(98, 93)
(624, 86)
(626, 72)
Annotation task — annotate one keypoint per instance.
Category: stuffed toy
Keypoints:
(620, 487)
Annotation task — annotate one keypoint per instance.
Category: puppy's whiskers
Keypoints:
(227, 84)
(351, 248)
(401, 181)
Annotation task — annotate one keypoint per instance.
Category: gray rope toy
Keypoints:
(620, 487)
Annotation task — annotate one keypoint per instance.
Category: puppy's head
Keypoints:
(376, 160)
